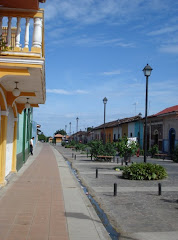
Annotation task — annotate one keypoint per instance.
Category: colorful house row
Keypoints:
(22, 79)
(126, 127)
(162, 129)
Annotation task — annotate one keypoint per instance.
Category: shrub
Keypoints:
(144, 171)
(125, 148)
(141, 152)
(175, 154)
(98, 148)
(72, 143)
(63, 143)
(154, 150)
(80, 146)
(109, 149)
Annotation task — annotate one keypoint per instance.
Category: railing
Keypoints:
(17, 38)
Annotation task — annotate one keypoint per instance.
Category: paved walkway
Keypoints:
(43, 201)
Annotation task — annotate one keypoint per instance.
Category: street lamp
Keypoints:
(147, 72)
(104, 101)
(140, 116)
(77, 124)
(118, 136)
(70, 128)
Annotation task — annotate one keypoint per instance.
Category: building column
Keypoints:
(37, 33)
(14, 152)
(3, 140)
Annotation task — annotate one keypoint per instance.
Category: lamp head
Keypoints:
(27, 104)
(105, 100)
(147, 70)
(16, 91)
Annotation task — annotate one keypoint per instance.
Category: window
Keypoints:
(130, 134)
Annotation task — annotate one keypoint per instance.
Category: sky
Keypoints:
(98, 48)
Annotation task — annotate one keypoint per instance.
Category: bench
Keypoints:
(105, 158)
(161, 155)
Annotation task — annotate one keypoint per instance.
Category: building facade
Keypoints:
(163, 130)
(22, 77)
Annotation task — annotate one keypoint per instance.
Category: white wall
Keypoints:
(117, 130)
(9, 145)
(131, 129)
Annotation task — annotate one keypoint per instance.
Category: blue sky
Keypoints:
(97, 49)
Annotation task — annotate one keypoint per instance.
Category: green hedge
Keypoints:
(144, 171)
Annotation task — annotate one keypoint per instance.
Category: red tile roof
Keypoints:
(58, 136)
(168, 110)
(117, 122)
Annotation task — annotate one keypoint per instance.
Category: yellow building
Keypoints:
(58, 138)
(22, 71)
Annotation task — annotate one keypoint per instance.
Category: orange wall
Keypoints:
(29, 4)
(125, 130)
(58, 140)
(109, 134)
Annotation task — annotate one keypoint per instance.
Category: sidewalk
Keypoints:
(43, 201)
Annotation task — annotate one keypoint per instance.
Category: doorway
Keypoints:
(172, 135)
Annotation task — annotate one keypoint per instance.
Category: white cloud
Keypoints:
(98, 41)
(116, 72)
(164, 30)
(81, 91)
(90, 11)
(169, 49)
(64, 92)
(58, 91)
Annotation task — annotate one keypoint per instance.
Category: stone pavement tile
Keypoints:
(37, 237)
(7, 218)
(4, 231)
(41, 219)
(41, 228)
(23, 220)
(57, 227)
(57, 203)
(57, 238)
(18, 232)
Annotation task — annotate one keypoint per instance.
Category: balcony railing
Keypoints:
(22, 39)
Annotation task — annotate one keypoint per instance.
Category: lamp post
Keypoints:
(77, 129)
(140, 116)
(147, 72)
(70, 128)
(77, 124)
(104, 101)
(118, 136)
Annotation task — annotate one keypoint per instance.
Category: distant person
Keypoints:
(31, 145)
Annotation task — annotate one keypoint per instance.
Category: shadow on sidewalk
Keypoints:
(79, 216)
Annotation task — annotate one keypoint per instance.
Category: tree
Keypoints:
(61, 131)
(42, 137)
(89, 129)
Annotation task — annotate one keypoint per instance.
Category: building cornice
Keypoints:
(22, 61)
